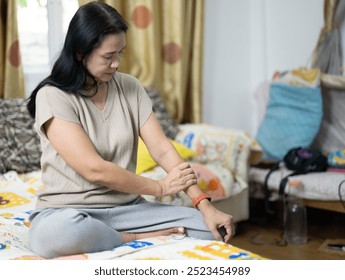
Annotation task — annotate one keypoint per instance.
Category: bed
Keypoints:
(17, 200)
(322, 190)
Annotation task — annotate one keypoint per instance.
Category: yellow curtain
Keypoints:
(165, 49)
(11, 70)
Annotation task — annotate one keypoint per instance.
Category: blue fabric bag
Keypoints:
(292, 119)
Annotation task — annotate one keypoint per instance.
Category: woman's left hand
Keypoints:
(218, 222)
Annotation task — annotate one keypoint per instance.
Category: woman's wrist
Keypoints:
(160, 189)
(204, 204)
(198, 198)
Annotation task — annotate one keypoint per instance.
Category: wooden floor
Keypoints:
(264, 235)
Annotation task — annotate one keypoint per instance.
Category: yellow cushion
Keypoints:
(145, 161)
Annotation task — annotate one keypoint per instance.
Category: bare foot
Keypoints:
(127, 237)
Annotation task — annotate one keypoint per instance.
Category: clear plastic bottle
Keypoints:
(295, 216)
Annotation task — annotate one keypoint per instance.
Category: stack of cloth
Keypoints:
(336, 161)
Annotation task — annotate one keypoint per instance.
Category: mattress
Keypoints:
(17, 200)
(325, 186)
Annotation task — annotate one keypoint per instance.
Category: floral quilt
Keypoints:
(17, 200)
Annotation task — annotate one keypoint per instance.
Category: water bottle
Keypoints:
(295, 216)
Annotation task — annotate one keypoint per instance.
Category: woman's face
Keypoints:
(104, 60)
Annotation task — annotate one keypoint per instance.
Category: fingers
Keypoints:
(183, 165)
(187, 174)
(227, 228)
(229, 232)
(220, 224)
(216, 234)
(179, 178)
(185, 168)
(223, 233)
(189, 179)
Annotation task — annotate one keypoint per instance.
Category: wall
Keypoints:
(245, 42)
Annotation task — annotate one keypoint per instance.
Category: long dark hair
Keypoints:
(86, 30)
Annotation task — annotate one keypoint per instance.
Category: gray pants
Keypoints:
(67, 231)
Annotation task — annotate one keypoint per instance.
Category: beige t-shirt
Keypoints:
(113, 131)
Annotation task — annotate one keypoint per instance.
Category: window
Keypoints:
(42, 26)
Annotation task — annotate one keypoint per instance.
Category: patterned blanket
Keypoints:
(17, 199)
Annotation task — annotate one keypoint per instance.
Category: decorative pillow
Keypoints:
(213, 179)
(167, 123)
(210, 183)
(292, 119)
(20, 146)
(145, 161)
(232, 149)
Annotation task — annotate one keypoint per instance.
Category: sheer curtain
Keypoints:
(328, 57)
(11, 71)
(164, 50)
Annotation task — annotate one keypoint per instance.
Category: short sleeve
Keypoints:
(145, 107)
(52, 102)
(138, 96)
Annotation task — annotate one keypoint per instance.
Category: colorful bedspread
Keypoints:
(17, 199)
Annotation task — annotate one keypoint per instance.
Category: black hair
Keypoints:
(85, 32)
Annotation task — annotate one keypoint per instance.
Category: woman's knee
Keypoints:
(52, 223)
(61, 232)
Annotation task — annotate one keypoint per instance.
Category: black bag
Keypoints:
(299, 161)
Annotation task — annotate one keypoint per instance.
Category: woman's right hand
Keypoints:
(179, 178)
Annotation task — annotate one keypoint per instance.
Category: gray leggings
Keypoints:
(67, 231)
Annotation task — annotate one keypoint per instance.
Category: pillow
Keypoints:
(292, 119)
(167, 123)
(20, 146)
(228, 148)
(213, 179)
(145, 161)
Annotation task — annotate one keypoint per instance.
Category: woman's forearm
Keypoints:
(113, 176)
(169, 159)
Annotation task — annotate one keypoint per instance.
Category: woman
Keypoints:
(89, 118)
